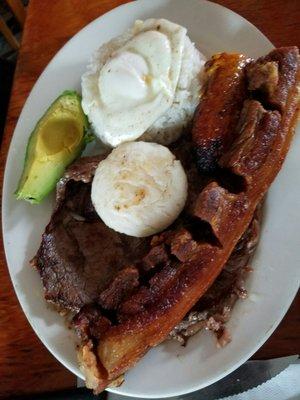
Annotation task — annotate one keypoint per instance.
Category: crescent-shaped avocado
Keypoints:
(58, 138)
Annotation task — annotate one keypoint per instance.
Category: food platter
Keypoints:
(274, 282)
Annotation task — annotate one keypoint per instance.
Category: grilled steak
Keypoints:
(80, 255)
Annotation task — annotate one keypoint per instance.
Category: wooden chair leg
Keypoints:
(6, 32)
(18, 10)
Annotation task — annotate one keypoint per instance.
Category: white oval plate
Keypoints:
(169, 369)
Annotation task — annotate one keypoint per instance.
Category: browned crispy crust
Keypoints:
(273, 76)
(218, 112)
(262, 140)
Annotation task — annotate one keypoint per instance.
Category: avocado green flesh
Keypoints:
(57, 140)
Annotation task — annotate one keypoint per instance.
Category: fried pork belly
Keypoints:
(219, 110)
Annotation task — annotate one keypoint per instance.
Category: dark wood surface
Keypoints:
(26, 366)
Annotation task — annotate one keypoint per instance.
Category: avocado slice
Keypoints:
(58, 138)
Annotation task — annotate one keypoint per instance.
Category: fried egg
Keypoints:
(132, 82)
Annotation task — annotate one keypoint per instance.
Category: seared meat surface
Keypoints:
(79, 254)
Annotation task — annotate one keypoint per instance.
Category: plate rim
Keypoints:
(28, 317)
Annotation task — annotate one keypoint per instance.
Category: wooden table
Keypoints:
(25, 364)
